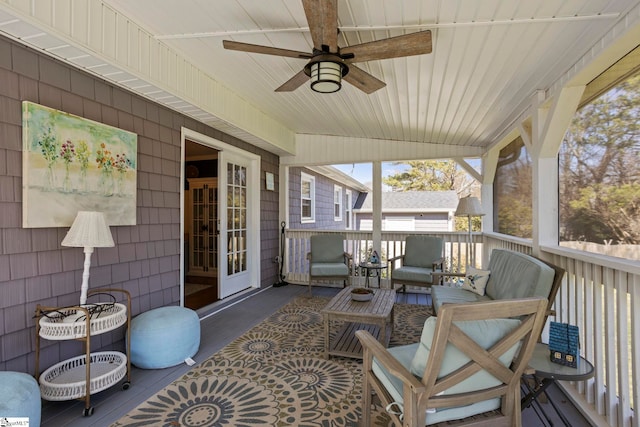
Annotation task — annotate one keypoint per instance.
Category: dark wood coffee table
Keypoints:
(375, 316)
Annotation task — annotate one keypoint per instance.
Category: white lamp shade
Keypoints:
(469, 206)
(89, 229)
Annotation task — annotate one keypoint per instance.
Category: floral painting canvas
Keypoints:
(72, 164)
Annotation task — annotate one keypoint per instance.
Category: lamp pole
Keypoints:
(469, 206)
(471, 256)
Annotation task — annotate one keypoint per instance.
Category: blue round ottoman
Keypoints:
(20, 397)
(164, 337)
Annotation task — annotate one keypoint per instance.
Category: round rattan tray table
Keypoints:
(67, 380)
(81, 376)
(69, 323)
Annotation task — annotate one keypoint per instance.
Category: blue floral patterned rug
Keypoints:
(274, 375)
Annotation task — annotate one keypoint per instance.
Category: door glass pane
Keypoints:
(203, 240)
(236, 197)
(236, 218)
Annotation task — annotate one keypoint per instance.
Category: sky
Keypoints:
(362, 171)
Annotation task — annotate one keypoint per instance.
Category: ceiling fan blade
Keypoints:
(407, 45)
(322, 17)
(294, 82)
(267, 50)
(363, 80)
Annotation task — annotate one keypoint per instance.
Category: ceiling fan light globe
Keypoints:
(326, 76)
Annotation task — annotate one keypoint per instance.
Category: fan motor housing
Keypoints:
(326, 57)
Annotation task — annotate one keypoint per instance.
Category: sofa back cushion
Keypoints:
(517, 275)
(422, 251)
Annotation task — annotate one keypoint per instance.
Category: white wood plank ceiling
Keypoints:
(489, 58)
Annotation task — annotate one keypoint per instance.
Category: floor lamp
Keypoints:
(89, 230)
(469, 206)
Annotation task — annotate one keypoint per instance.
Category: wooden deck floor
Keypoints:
(220, 325)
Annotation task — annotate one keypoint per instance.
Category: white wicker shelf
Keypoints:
(66, 380)
(74, 378)
(70, 323)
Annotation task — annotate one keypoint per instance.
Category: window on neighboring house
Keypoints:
(512, 191)
(348, 210)
(337, 203)
(307, 197)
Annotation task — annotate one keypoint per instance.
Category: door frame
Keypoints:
(253, 200)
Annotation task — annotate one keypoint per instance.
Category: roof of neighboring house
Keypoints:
(411, 201)
(339, 176)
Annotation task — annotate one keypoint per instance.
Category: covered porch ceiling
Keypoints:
(489, 58)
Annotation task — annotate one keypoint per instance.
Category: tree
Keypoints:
(431, 175)
(513, 191)
(600, 169)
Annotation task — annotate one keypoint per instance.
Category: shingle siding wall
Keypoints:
(324, 208)
(35, 269)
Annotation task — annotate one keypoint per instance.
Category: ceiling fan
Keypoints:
(328, 63)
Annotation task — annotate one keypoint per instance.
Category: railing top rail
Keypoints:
(510, 239)
(384, 232)
(625, 265)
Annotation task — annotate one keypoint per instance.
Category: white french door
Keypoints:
(237, 238)
(237, 220)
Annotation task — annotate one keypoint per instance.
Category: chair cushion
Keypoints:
(413, 274)
(422, 251)
(444, 294)
(484, 332)
(517, 275)
(475, 280)
(404, 354)
(327, 248)
(329, 269)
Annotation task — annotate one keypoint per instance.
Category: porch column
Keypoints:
(377, 206)
(550, 121)
(283, 209)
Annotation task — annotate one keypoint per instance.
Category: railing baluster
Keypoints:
(634, 290)
(589, 325)
(624, 404)
(599, 329)
(610, 348)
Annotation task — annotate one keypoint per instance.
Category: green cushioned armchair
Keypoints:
(469, 361)
(422, 257)
(328, 259)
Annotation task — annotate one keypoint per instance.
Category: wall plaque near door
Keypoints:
(269, 179)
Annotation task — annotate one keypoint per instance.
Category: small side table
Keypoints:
(371, 270)
(547, 372)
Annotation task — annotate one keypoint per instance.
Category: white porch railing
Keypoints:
(601, 295)
(359, 244)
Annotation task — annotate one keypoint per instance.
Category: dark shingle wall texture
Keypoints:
(35, 269)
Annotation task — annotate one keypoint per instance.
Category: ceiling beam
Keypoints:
(328, 149)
